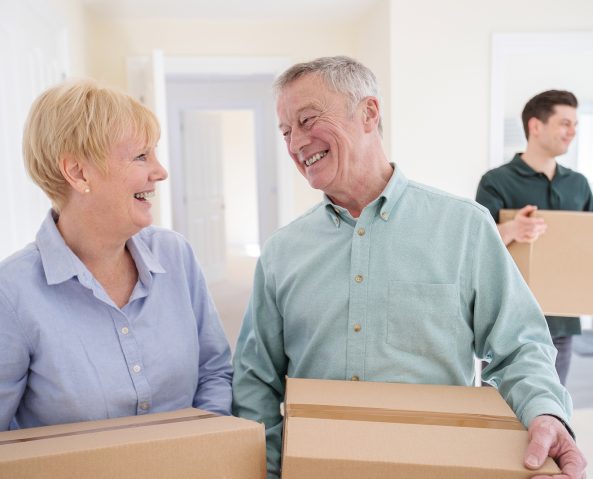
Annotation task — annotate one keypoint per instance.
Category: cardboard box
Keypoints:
(184, 444)
(348, 430)
(558, 266)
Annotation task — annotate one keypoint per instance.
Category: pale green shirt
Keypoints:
(408, 292)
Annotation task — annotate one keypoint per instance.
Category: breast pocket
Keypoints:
(423, 318)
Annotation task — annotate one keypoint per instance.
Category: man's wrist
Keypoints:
(565, 424)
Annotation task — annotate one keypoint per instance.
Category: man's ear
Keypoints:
(370, 113)
(533, 126)
(74, 172)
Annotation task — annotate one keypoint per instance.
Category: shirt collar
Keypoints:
(146, 261)
(524, 169)
(60, 263)
(385, 202)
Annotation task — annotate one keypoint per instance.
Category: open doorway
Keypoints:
(218, 169)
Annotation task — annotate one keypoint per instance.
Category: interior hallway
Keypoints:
(232, 295)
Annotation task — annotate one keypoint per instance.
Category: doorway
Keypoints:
(223, 175)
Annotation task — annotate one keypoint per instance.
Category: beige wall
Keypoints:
(432, 60)
(441, 79)
(373, 48)
(111, 41)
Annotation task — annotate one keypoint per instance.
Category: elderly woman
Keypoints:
(103, 315)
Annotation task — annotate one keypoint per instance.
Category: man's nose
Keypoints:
(298, 139)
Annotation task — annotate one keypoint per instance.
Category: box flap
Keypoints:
(416, 398)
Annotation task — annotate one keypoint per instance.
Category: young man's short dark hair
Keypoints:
(541, 106)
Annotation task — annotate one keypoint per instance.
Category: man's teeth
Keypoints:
(145, 195)
(315, 158)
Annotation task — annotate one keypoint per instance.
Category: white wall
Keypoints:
(73, 15)
(527, 77)
(441, 79)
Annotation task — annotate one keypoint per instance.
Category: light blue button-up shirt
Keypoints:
(408, 292)
(68, 353)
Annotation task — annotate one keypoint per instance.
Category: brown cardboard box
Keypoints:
(184, 444)
(348, 430)
(558, 266)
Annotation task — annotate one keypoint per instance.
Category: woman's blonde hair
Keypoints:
(82, 119)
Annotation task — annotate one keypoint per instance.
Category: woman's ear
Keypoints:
(74, 172)
(370, 113)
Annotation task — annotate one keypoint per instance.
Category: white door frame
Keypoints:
(506, 44)
(204, 67)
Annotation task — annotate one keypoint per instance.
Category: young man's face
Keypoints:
(555, 135)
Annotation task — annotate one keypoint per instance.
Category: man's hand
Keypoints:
(523, 228)
(549, 437)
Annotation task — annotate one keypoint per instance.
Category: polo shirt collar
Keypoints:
(524, 169)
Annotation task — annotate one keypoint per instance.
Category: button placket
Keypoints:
(133, 359)
(359, 264)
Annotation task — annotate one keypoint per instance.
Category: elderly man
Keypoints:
(387, 279)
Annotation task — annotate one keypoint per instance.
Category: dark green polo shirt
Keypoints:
(515, 185)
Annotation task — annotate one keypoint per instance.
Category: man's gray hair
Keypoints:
(340, 73)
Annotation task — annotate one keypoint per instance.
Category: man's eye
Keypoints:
(141, 157)
(307, 120)
(285, 133)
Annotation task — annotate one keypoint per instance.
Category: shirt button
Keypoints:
(357, 328)
(355, 378)
(125, 330)
(361, 231)
(144, 406)
(136, 368)
(384, 215)
(358, 278)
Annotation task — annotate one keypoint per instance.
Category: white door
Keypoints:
(35, 55)
(201, 138)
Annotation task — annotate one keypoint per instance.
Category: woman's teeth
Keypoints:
(315, 158)
(145, 195)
